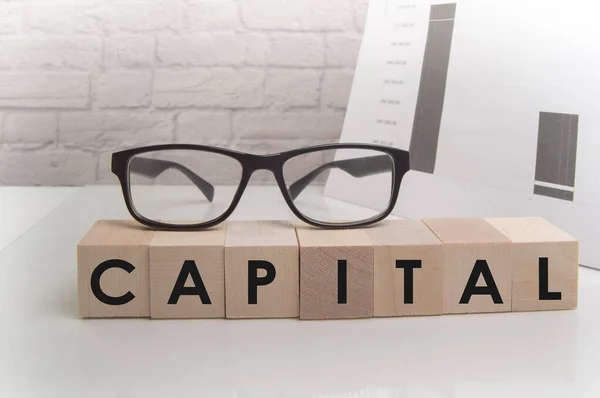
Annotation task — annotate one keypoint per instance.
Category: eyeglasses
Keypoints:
(192, 187)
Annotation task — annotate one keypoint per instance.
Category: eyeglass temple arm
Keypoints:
(154, 167)
(359, 167)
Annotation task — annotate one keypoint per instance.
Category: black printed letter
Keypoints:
(543, 272)
(189, 268)
(95, 282)
(481, 268)
(342, 282)
(254, 281)
(409, 266)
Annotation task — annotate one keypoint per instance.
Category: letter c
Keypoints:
(95, 282)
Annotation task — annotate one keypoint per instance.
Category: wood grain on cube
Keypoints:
(545, 264)
(408, 269)
(336, 273)
(120, 248)
(261, 270)
(477, 265)
(187, 274)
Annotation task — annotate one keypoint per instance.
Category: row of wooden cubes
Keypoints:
(268, 269)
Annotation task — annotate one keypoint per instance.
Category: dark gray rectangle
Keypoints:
(442, 11)
(557, 148)
(553, 192)
(432, 88)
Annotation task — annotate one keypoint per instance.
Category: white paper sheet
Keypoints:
(498, 102)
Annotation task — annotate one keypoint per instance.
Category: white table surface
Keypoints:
(45, 350)
(22, 207)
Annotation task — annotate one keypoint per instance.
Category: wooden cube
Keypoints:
(477, 265)
(336, 273)
(408, 274)
(187, 274)
(112, 270)
(545, 264)
(261, 270)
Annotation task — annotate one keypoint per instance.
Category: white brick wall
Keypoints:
(82, 78)
(124, 89)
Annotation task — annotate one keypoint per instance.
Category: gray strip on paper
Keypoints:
(553, 192)
(432, 88)
(556, 152)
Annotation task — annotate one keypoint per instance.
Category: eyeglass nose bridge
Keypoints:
(262, 162)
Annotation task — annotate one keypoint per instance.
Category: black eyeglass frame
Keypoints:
(251, 163)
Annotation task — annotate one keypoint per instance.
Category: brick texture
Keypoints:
(44, 89)
(336, 88)
(82, 78)
(222, 87)
(342, 50)
(50, 52)
(124, 89)
(211, 15)
(297, 15)
(129, 51)
(204, 49)
(10, 19)
(200, 126)
(46, 167)
(30, 127)
(289, 88)
(273, 125)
